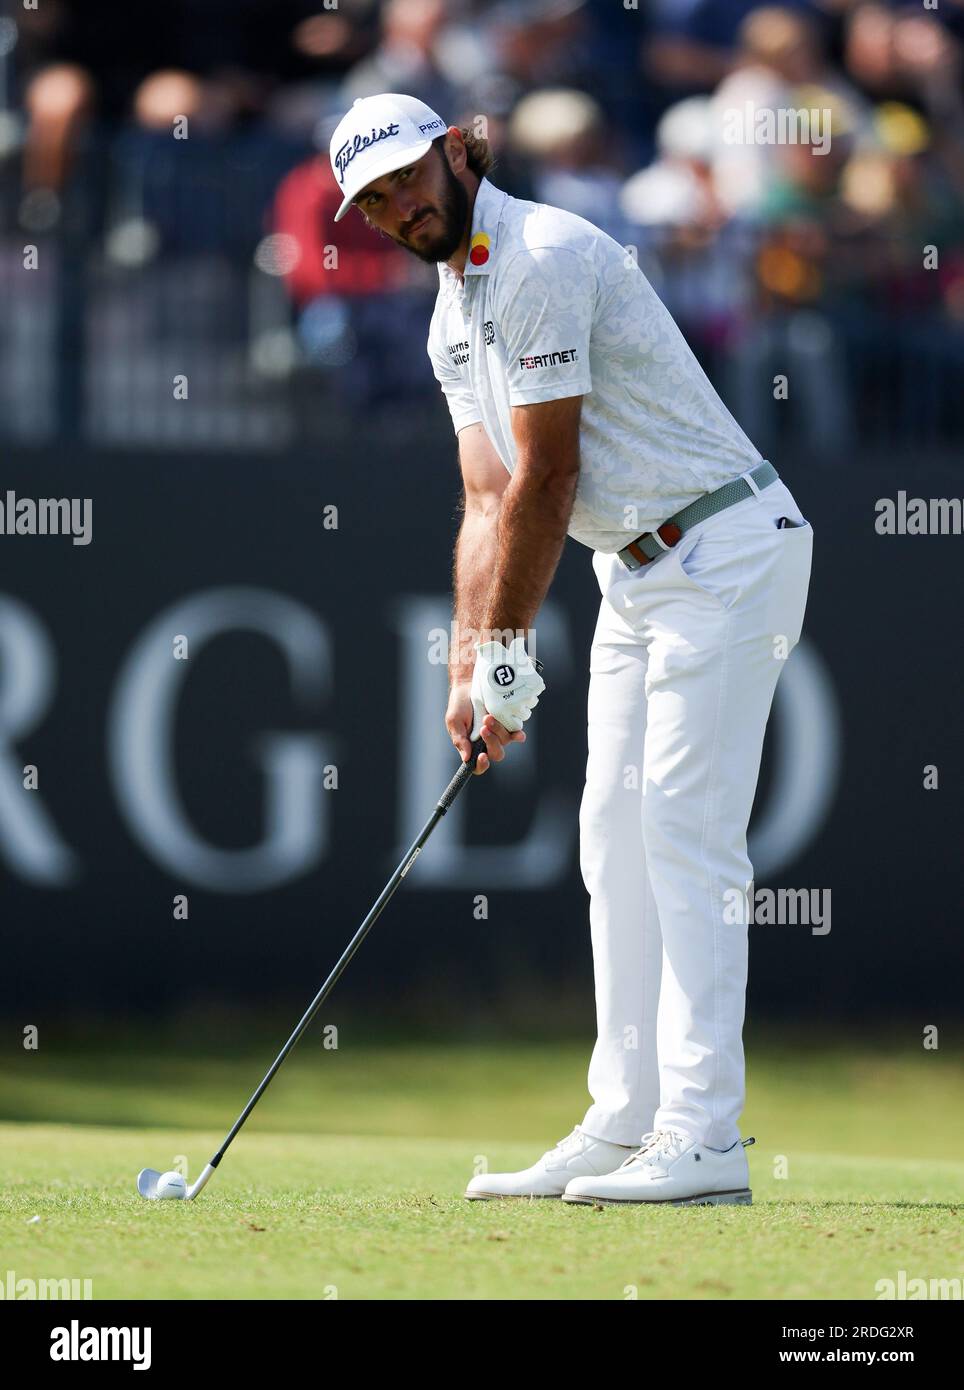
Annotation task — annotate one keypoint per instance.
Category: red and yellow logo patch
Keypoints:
(479, 249)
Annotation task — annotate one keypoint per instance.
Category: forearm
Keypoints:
(531, 533)
(475, 555)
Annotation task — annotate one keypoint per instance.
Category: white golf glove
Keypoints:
(505, 684)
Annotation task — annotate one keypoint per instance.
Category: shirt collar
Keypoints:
(484, 238)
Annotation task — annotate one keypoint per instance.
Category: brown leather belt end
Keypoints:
(668, 533)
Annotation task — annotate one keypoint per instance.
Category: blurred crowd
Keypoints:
(834, 261)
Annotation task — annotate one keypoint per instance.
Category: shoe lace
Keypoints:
(563, 1145)
(653, 1145)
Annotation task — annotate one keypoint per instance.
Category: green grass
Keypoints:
(349, 1176)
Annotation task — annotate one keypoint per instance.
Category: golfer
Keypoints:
(581, 411)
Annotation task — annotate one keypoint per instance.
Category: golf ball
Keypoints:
(171, 1187)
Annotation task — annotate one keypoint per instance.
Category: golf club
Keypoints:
(157, 1186)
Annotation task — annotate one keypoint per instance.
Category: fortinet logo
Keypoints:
(548, 359)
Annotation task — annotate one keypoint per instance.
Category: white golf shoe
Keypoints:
(576, 1155)
(669, 1167)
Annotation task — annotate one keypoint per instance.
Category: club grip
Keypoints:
(465, 771)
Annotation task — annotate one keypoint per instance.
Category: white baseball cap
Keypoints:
(380, 134)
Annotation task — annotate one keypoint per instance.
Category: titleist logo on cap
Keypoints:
(350, 148)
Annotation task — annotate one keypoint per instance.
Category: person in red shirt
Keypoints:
(358, 297)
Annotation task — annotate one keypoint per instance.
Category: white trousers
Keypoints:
(685, 658)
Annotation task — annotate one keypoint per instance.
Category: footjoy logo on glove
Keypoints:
(503, 675)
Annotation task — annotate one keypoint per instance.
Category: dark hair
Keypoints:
(480, 156)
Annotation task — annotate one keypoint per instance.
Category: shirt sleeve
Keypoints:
(544, 305)
(458, 392)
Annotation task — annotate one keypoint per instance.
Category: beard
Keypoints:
(453, 214)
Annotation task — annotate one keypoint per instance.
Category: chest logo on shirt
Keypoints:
(548, 359)
(488, 332)
(479, 248)
(459, 353)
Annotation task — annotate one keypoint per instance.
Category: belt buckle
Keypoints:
(664, 541)
(628, 558)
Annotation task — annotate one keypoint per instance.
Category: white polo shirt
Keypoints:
(552, 307)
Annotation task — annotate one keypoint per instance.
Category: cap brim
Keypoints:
(387, 165)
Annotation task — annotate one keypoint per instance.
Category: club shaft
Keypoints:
(461, 779)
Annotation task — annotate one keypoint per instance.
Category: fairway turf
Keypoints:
(347, 1182)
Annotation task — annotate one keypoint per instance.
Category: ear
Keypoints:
(455, 151)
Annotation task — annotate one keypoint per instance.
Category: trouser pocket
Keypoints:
(712, 564)
(790, 582)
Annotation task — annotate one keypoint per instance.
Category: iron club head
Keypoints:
(155, 1186)
(162, 1187)
(147, 1183)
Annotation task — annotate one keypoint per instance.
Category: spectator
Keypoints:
(59, 102)
(564, 134)
(404, 59)
(698, 263)
(363, 262)
(360, 302)
(780, 66)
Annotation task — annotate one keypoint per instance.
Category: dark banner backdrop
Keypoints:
(310, 664)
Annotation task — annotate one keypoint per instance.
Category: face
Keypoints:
(423, 207)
